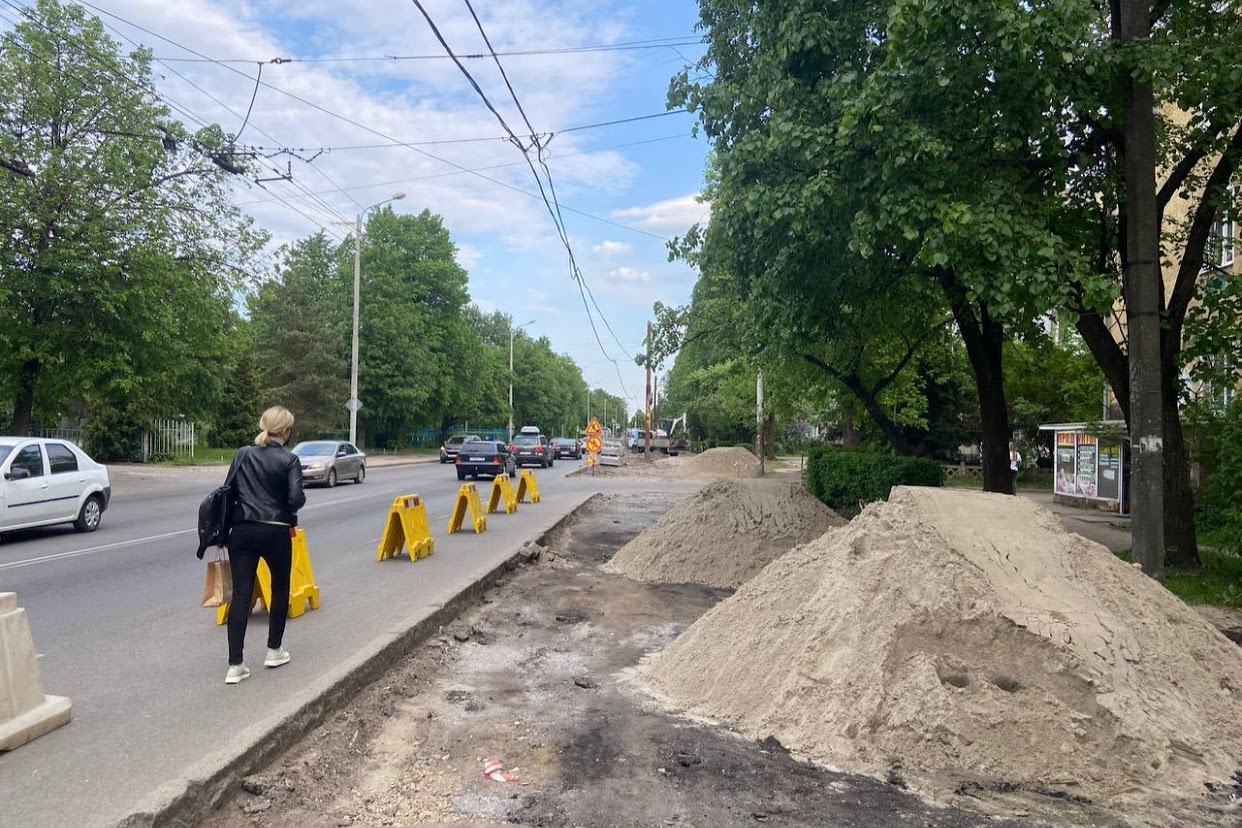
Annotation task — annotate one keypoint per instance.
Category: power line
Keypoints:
(327, 209)
(553, 204)
(656, 43)
(109, 64)
(488, 167)
(369, 129)
(480, 139)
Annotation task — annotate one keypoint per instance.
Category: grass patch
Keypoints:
(1200, 586)
(202, 457)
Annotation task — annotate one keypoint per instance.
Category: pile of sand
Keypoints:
(723, 535)
(734, 461)
(948, 630)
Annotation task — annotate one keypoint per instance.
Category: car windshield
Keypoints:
(525, 439)
(4, 452)
(564, 441)
(478, 447)
(314, 449)
(458, 439)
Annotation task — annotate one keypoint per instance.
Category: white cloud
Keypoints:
(672, 214)
(629, 274)
(612, 248)
(468, 256)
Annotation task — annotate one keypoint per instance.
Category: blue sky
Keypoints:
(642, 177)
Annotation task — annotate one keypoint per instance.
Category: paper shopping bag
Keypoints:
(218, 588)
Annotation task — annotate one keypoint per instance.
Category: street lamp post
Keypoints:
(354, 403)
(512, 331)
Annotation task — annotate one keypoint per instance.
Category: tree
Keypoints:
(413, 290)
(122, 251)
(301, 331)
(242, 405)
(882, 148)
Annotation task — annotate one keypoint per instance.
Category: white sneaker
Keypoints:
(237, 674)
(275, 658)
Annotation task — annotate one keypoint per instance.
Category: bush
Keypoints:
(1220, 511)
(843, 478)
(111, 434)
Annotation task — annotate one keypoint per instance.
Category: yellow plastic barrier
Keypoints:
(468, 497)
(502, 491)
(302, 586)
(528, 485)
(406, 526)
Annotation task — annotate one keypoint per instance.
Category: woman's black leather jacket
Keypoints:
(267, 485)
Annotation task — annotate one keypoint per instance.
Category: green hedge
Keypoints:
(844, 477)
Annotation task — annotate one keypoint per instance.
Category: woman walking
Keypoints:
(267, 493)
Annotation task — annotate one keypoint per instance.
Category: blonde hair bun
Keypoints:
(277, 421)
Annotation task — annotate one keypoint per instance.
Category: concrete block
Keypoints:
(25, 712)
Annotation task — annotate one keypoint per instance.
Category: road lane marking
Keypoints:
(60, 556)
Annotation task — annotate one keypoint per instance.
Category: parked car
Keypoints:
(479, 457)
(450, 447)
(563, 447)
(327, 461)
(529, 447)
(44, 482)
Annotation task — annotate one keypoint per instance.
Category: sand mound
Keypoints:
(949, 630)
(723, 535)
(734, 461)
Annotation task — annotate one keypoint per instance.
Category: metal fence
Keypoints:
(168, 438)
(74, 435)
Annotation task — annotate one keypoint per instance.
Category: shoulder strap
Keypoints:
(238, 460)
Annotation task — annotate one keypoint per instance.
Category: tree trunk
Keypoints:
(23, 408)
(993, 410)
(870, 403)
(1144, 292)
(1180, 545)
(984, 338)
(849, 434)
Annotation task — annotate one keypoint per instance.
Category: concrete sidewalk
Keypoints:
(1108, 528)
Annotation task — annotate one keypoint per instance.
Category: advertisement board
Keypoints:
(1088, 448)
(1109, 478)
(1066, 478)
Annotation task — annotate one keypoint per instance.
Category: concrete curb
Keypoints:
(187, 801)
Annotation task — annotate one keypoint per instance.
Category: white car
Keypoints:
(43, 482)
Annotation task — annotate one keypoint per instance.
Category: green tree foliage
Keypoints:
(238, 422)
(121, 249)
(301, 335)
(874, 175)
(413, 293)
(1052, 382)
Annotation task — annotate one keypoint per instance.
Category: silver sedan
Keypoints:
(327, 461)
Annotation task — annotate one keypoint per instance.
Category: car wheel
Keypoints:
(362, 474)
(89, 517)
(331, 478)
(461, 475)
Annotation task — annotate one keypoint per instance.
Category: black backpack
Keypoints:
(215, 516)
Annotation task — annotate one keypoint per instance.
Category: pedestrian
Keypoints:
(1015, 463)
(267, 492)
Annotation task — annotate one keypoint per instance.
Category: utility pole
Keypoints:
(759, 416)
(1144, 290)
(648, 435)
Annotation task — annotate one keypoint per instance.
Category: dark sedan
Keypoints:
(480, 457)
(563, 447)
(532, 449)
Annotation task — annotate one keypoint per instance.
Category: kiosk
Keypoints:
(1091, 464)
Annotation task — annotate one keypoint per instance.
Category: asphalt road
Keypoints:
(117, 623)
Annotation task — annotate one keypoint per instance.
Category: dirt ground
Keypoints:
(540, 677)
